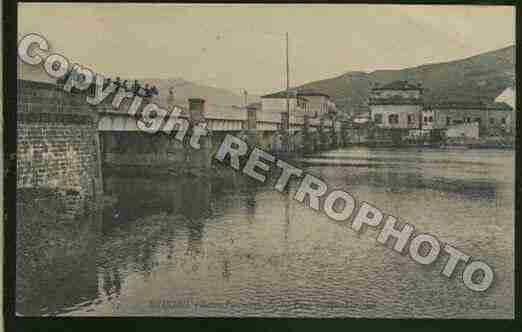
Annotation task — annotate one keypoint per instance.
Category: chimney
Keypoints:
(197, 110)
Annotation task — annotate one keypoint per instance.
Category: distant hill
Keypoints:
(184, 89)
(480, 77)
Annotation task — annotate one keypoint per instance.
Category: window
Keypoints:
(393, 118)
(430, 119)
(478, 120)
(425, 119)
(492, 120)
(503, 120)
(448, 121)
(378, 118)
(411, 118)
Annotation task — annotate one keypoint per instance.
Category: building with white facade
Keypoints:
(400, 105)
(397, 105)
(302, 102)
(490, 117)
(318, 103)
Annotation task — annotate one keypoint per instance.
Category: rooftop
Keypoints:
(470, 105)
(395, 100)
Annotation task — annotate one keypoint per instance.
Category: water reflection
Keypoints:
(410, 170)
(138, 197)
(400, 182)
(231, 247)
(56, 255)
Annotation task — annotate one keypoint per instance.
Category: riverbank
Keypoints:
(475, 145)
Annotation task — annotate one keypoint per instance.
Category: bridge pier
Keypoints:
(162, 152)
(127, 148)
(264, 140)
(282, 137)
(199, 160)
(251, 126)
(324, 137)
(308, 140)
(57, 144)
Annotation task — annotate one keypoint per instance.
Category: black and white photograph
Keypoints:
(265, 160)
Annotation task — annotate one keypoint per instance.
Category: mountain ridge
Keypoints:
(479, 77)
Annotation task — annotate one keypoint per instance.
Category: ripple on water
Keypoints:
(183, 247)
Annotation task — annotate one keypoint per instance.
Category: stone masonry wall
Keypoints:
(57, 141)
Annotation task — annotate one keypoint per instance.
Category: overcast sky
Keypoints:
(242, 46)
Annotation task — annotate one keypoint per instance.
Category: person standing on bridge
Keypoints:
(107, 82)
(170, 98)
(141, 91)
(154, 91)
(147, 90)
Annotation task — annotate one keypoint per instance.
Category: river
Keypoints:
(186, 247)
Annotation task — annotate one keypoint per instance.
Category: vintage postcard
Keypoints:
(265, 160)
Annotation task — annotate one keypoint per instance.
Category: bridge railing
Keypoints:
(225, 112)
(227, 117)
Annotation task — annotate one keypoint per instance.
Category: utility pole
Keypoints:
(287, 83)
(288, 92)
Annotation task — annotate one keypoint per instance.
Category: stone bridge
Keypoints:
(64, 143)
(124, 144)
(58, 150)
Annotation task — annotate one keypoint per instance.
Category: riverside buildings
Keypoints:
(400, 106)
